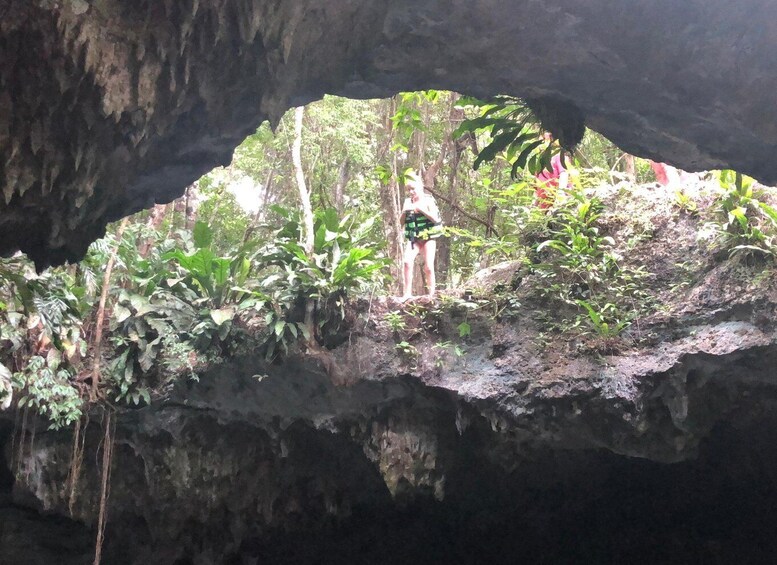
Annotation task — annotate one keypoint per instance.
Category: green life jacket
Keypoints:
(418, 226)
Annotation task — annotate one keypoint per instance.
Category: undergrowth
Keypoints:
(580, 274)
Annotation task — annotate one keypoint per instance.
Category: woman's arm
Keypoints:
(406, 207)
(428, 207)
(560, 170)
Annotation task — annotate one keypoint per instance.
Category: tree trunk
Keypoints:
(307, 234)
(179, 208)
(304, 194)
(342, 181)
(450, 212)
(154, 222)
(98, 332)
(631, 165)
(258, 216)
(390, 198)
(190, 207)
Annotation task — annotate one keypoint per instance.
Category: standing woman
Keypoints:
(421, 219)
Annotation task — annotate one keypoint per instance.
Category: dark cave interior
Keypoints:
(557, 507)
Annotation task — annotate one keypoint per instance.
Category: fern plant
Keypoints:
(748, 225)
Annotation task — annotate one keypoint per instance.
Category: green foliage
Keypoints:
(206, 278)
(51, 299)
(513, 129)
(603, 162)
(395, 320)
(40, 325)
(605, 321)
(444, 349)
(337, 265)
(146, 333)
(407, 350)
(198, 296)
(177, 315)
(685, 202)
(581, 269)
(221, 214)
(408, 116)
(282, 333)
(6, 387)
(45, 386)
(576, 236)
(506, 305)
(747, 224)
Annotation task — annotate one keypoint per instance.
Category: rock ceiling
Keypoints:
(108, 106)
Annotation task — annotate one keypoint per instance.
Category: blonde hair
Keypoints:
(414, 176)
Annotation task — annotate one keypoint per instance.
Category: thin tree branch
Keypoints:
(461, 211)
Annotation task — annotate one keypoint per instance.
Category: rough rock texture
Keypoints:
(531, 448)
(660, 455)
(108, 106)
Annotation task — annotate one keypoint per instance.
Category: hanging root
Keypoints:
(76, 461)
(108, 440)
(16, 430)
(18, 444)
(32, 441)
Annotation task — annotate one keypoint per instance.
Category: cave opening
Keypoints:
(588, 422)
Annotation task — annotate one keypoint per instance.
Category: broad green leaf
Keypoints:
(499, 143)
(270, 280)
(53, 358)
(5, 373)
(202, 235)
(770, 212)
(221, 271)
(331, 219)
(146, 359)
(120, 313)
(521, 161)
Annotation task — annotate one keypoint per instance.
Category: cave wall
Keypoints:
(673, 464)
(107, 107)
(521, 444)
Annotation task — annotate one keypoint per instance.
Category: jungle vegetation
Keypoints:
(263, 255)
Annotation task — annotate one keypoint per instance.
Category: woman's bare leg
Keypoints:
(408, 262)
(428, 251)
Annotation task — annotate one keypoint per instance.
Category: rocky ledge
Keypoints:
(520, 451)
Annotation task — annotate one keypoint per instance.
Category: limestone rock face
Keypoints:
(108, 106)
(656, 456)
